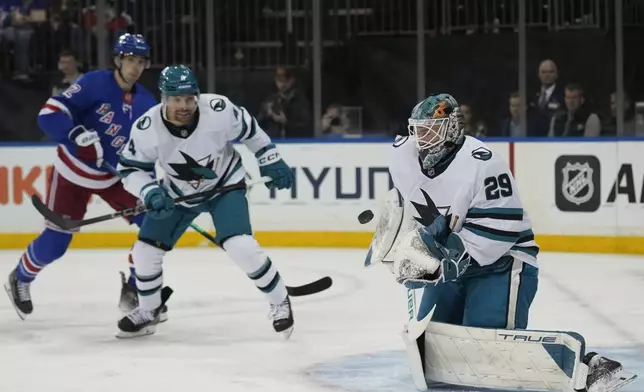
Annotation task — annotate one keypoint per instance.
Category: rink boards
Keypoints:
(581, 195)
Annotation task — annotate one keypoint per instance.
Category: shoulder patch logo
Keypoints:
(482, 154)
(217, 104)
(144, 123)
(400, 140)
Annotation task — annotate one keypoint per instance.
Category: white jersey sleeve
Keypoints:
(244, 128)
(496, 224)
(138, 159)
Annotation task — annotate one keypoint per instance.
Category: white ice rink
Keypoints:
(219, 339)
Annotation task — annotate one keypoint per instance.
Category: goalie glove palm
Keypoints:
(421, 259)
(414, 265)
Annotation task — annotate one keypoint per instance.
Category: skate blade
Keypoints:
(286, 334)
(614, 383)
(621, 379)
(163, 317)
(7, 288)
(149, 330)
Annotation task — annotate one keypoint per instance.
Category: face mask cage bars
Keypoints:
(428, 133)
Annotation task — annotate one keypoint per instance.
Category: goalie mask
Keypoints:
(437, 125)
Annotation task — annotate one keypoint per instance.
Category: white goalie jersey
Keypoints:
(194, 159)
(476, 193)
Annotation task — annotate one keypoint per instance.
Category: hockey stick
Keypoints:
(294, 291)
(197, 228)
(68, 224)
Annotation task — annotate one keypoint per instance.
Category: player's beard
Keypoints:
(183, 116)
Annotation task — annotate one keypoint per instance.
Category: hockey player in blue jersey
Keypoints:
(91, 123)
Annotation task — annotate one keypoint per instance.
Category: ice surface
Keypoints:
(218, 337)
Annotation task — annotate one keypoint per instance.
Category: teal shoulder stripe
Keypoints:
(253, 128)
(492, 234)
(129, 163)
(242, 134)
(515, 214)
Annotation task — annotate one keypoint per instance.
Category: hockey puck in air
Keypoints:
(365, 217)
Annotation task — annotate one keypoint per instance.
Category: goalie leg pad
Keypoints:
(508, 359)
(420, 313)
(433, 302)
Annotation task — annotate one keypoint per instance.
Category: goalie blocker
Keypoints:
(482, 357)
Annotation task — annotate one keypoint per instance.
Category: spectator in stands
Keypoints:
(335, 122)
(54, 37)
(17, 29)
(578, 119)
(472, 126)
(286, 113)
(68, 65)
(548, 101)
(511, 126)
(609, 127)
(117, 21)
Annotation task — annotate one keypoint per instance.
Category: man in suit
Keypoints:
(548, 101)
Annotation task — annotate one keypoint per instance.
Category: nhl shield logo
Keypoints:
(577, 186)
(577, 183)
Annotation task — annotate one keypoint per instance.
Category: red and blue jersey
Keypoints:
(97, 102)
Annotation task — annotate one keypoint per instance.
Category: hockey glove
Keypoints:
(88, 145)
(446, 247)
(159, 203)
(272, 165)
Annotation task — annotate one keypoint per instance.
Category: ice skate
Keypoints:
(19, 295)
(129, 299)
(605, 375)
(282, 316)
(141, 322)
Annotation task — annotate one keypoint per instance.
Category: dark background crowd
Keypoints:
(263, 59)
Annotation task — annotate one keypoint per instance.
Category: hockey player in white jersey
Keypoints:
(455, 233)
(190, 135)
